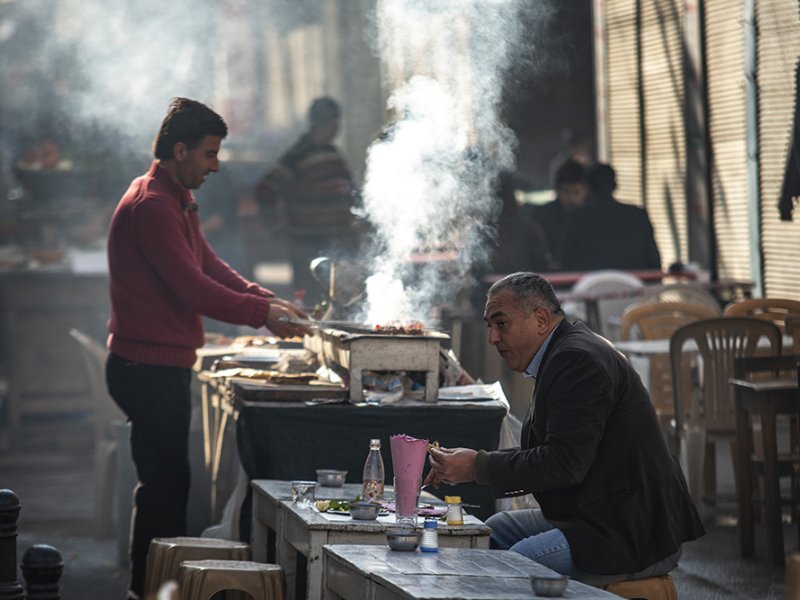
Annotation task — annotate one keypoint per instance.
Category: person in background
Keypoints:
(613, 502)
(163, 277)
(314, 183)
(572, 188)
(607, 234)
(521, 243)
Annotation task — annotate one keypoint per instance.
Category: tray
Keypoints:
(249, 390)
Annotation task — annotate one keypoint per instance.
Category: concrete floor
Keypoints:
(55, 488)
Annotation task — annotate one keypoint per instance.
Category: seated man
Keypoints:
(613, 502)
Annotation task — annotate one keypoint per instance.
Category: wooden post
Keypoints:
(10, 589)
(42, 567)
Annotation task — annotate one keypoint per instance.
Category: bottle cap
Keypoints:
(430, 524)
(375, 442)
(452, 499)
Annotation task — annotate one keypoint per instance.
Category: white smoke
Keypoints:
(429, 183)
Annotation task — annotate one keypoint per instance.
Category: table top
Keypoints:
(280, 492)
(451, 573)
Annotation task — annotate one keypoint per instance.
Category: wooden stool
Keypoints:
(201, 579)
(652, 588)
(165, 556)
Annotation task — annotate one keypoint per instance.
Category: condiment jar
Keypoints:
(430, 536)
(455, 516)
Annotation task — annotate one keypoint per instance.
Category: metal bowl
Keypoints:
(549, 585)
(402, 539)
(331, 477)
(364, 511)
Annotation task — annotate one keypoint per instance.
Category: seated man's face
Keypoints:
(572, 195)
(516, 335)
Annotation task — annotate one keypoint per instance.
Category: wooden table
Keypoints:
(766, 399)
(305, 531)
(364, 572)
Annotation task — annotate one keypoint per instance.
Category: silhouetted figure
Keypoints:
(606, 234)
(572, 188)
(521, 244)
(315, 184)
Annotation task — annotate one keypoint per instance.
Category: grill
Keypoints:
(358, 351)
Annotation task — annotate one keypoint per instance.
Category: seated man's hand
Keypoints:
(451, 465)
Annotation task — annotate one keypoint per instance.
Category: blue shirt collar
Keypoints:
(532, 371)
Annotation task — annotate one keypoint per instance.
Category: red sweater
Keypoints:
(163, 276)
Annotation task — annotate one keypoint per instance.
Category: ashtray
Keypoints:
(549, 585)
(331, 477)
(403, 539)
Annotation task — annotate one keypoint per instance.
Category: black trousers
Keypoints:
(157, 401)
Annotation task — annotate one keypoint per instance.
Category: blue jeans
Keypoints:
(528, 533)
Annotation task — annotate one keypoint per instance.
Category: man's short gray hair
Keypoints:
(530, 290)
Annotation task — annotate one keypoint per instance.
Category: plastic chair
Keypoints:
(775, 310)
(651, 321)
(106, 415)
(165, 555)
(686, 292)
(652, 588)
(609, 292)
(201, 579)
(709, 416)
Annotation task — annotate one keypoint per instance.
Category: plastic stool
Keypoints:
(201, 579)
(165, 556)
(652, 588)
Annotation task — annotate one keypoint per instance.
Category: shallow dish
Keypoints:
(402, 539)
(331, 477)
(549, 585)
(364, 511)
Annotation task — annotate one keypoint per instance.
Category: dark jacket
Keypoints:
(607, 234)
(552, 217)
(593, 455)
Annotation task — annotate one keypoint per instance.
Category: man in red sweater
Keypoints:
(163, 278)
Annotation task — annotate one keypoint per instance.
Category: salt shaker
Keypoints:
(455, 516)
(430, 536)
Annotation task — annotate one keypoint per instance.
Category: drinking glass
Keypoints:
(303, 492)
(406, 498)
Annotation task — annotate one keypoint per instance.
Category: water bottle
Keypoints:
(372, 482)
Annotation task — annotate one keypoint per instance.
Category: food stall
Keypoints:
(286, 412)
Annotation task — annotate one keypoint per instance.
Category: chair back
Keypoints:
(94, 358)
(622, 289)
(775, 310)
(688, 292)
(655, 321)
(718, 343)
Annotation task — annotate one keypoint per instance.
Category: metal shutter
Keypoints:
(623, 114)
(725, 72)
(778, 49)
(665, 132)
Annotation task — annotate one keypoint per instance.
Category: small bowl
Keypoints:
(549, 585)
(364, 511)
(403, 539)
(331, 477)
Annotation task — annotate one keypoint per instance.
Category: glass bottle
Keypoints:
(455, 516)
(372, 481)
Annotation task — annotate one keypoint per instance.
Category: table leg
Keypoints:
(772, 500)
(315, 572)
(206, 409)
(286, 557)
(258, 531)
(744, 443)
(216, 461)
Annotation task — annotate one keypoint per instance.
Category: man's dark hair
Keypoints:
(570, 171)
(530, 290)
(602, 179)
(187, 121)
(323, 110)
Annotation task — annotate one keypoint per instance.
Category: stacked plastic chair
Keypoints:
(165, 556)
(201, 579)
